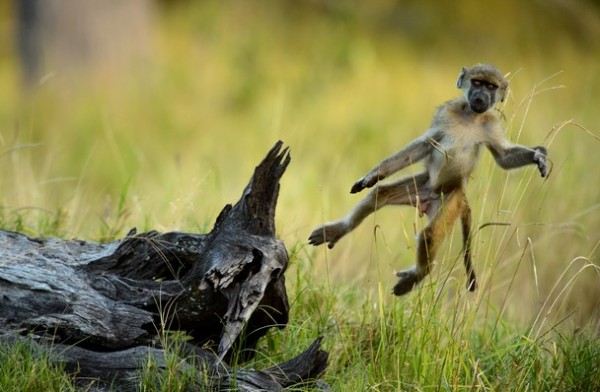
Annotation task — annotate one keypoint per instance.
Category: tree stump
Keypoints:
(104, 306)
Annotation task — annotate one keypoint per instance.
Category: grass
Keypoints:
(424, 342)
(167, 146)
(419, 343)
(25, 370)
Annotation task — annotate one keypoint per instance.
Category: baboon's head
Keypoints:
(483, 86)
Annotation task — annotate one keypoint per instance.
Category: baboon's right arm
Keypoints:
(413, 152)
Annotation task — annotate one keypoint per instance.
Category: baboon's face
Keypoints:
(483, 86)
(481, 95)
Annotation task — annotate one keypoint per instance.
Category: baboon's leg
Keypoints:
(445, 212)
(466, 232)
(407, 191)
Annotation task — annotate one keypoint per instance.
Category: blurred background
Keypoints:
(154, 113)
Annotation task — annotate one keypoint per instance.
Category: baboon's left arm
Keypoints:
(511, 156)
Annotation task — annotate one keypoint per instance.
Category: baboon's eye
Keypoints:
(491, 86)
(476, 82)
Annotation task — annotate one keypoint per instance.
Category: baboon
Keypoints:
(450, 149)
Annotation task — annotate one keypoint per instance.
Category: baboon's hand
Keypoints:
(539, 157)
(365, 182)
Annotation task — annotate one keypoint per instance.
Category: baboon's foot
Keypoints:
(329, 233)
(472, 282)
(408, 280)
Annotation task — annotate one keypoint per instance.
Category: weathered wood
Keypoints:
(119, 370)
(120, 296)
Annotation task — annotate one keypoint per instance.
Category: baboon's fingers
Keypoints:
(329, 233)
(322, 235)
(539, 157)
(542, 167)
(317, 237)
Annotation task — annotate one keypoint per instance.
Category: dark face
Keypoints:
(482, 95)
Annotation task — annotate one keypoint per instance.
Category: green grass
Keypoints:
(166, 146)
(25, 370)
(416, 343)
(421, 342)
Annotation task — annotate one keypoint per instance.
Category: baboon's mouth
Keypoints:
(478, 107)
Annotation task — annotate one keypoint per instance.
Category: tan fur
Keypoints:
(450, 149)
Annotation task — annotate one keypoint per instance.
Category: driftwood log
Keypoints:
(102, 308)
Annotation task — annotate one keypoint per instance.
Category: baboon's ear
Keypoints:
(461, 77)
(502, 93)
(503, 89)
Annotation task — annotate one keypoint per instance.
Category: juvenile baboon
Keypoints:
(450, 149)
